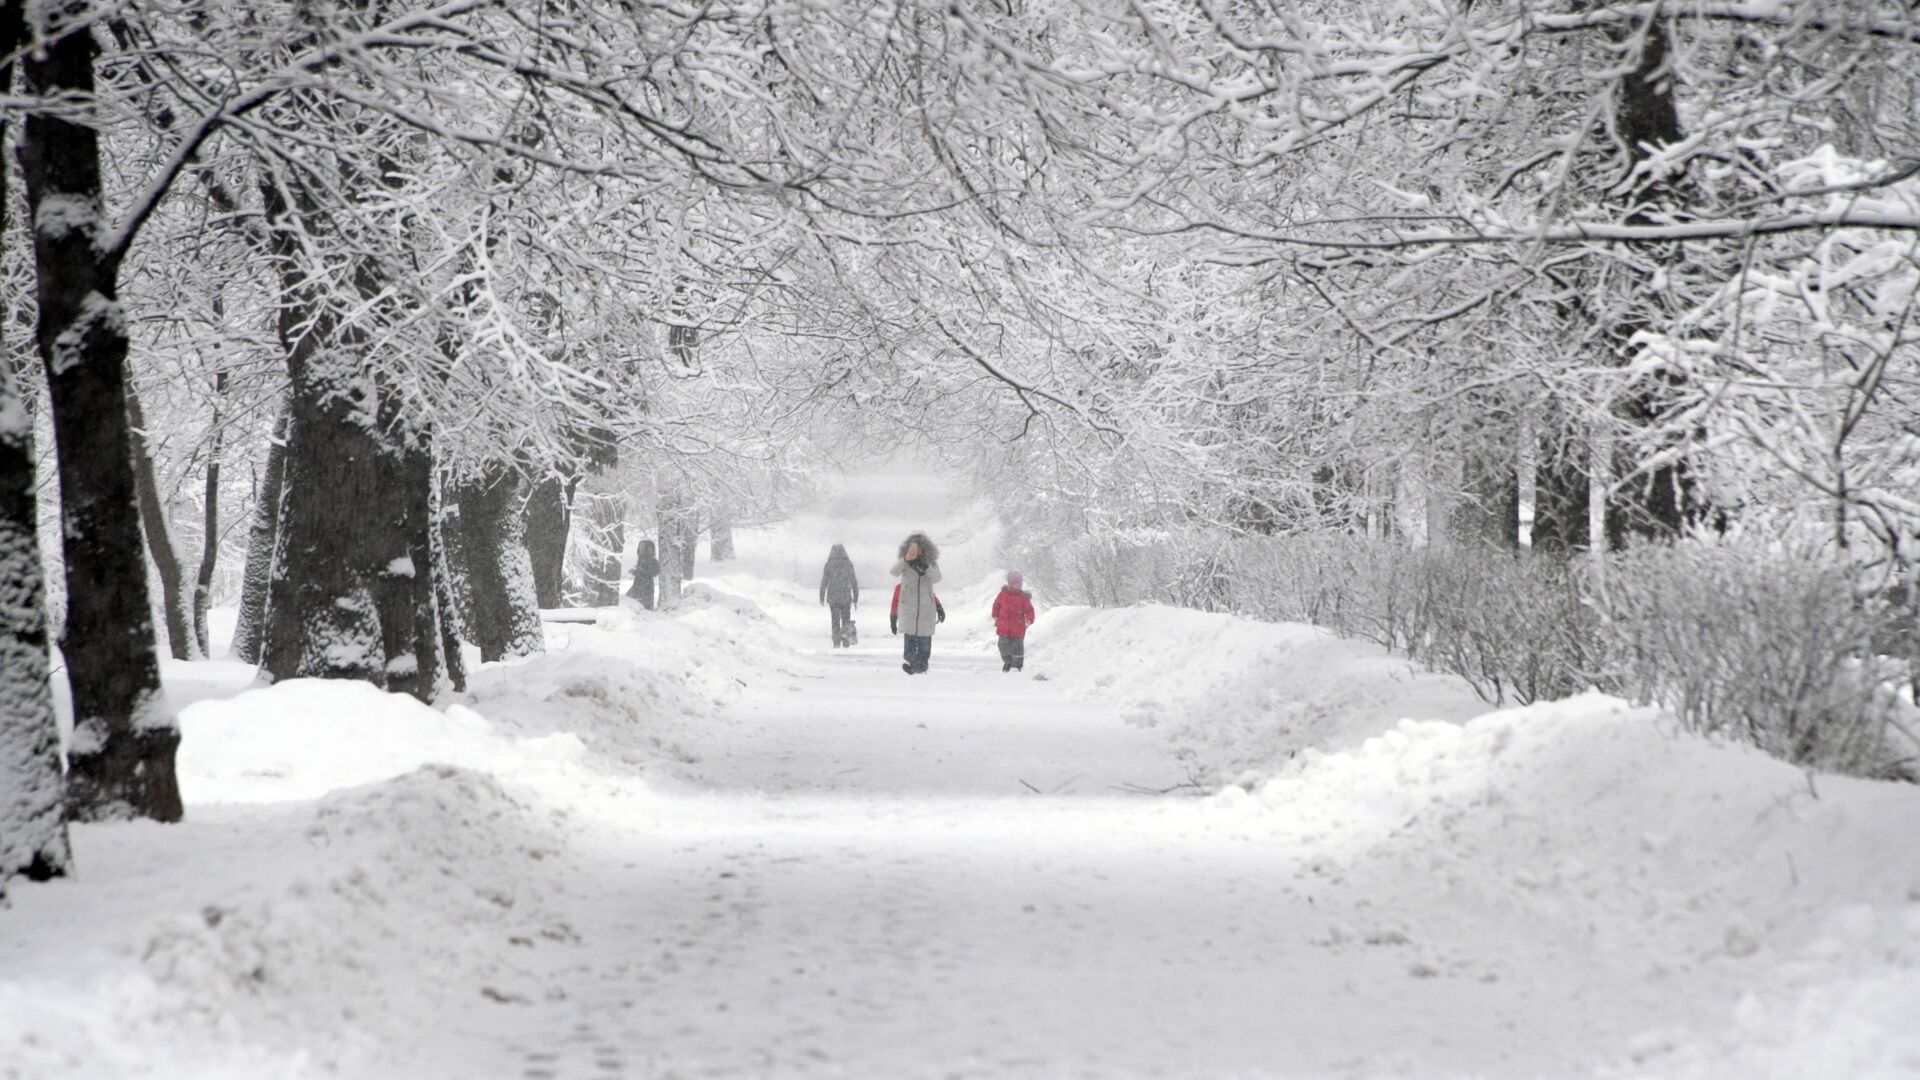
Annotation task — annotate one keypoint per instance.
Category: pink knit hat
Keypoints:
(1014, 579)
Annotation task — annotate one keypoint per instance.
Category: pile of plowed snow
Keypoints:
(1232, 695)
(1590, 828)
(1591, 832)
(353, 859)
(298, 943)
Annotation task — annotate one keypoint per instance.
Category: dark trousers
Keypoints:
(1013, 651)
(842, 622)
(918, 651)
(642, 590)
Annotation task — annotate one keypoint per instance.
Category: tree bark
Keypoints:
(1561, 493)
(1488, 511)
(444, 600)
(33, 815)
(722, 533)
(608, 538)
(262, 546)
(499, 571)
(176, 602)
(210, 519)
(348, 586)
(671, 512)
(549, 519)
(1646, 119)
(122, 760)
(33, 789)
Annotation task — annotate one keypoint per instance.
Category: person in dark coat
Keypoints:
(840, 591)
(646, 567)
(918, 569)
(1012, 614)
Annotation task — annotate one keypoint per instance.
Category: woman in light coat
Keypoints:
(918, 569)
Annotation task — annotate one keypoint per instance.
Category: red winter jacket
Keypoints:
(1012, 612)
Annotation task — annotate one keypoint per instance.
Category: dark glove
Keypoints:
(919, 565)
(939, 612)
(893, 623)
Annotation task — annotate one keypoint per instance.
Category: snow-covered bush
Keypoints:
(1516, 627)
(1764, 644)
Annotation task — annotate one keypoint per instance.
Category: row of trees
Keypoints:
(438, 289)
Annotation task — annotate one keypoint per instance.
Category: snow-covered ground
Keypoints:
(1179, 845)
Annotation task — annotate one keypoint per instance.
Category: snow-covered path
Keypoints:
(708, 845)
(966, 874)
(869, 888)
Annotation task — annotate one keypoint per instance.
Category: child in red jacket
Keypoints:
(1012, 614)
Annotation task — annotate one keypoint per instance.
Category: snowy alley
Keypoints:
(710, 845)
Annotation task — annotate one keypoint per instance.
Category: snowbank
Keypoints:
(305, 737)
(1586, 825)
(1232, 694)
(304, 941)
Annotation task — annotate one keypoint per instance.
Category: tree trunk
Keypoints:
(210, 519)
(671, 512)
(33, 812)
(493, 523)
(262, 546)
(176, 602)
(1561, 493)
(1488, 510)
(122, 761)
(1646, 119)
(346, 594)
(689, 544)
(407, 600)
(443, 596)
(606, 535)
(722, 531)
(549, 519)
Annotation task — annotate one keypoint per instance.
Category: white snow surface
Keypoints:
(708, 845)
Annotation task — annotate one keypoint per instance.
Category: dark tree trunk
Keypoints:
(346, 595)
(453, 542)
(33, 815)
(506, 619)
(1488, 511)
(176, 602)
(549, 519)
(1646, 119)
(408, 602)
(210, 519)
(443, 596)
(33, 812)
(1560, 494)
(262, 546)
(122, 761)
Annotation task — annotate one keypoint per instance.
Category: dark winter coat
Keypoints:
(838, 583)
(645, 562)
(1012, 612)
(646, 567)
(918, 608)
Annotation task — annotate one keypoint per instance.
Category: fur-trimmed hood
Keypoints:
(927, 547)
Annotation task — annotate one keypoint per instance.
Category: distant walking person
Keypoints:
(918, 569)
(646, 567)
(1012, 614)
(840, 591)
